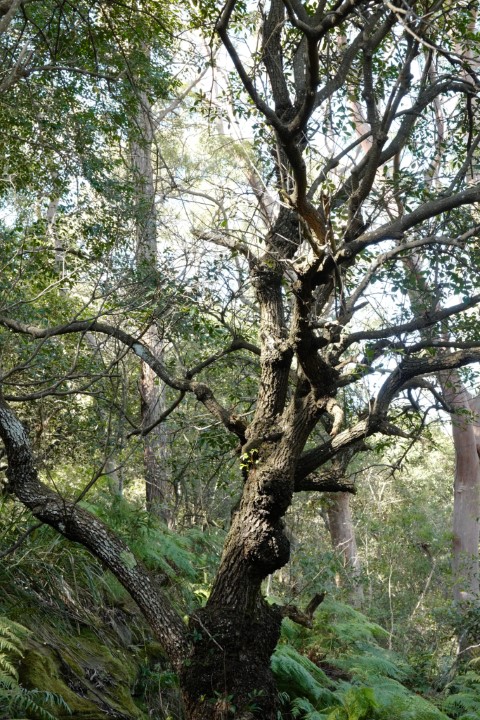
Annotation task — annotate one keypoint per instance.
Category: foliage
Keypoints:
(86, 640)
(15, 700)
(349, 675)
(463, 698)
(280, 286)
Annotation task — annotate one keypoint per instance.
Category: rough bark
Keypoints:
(237, 631)
(79, 525)
(229, 673)
(306, 300)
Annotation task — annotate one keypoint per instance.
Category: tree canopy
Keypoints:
(300, 296)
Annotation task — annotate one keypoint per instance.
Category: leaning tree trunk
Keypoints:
(159, 492)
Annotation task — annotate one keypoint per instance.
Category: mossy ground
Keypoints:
(94, 680)
(95, 658)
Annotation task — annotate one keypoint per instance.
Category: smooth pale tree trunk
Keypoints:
(342, 534)
(159, 492)
(115, 477)
(466, 506)
(465, 425)
(466, 443)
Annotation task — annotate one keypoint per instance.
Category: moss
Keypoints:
(114, 676)
(86, 674)
(154, 652)
(39, 670)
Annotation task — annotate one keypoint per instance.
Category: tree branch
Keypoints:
(396, 229)
(202, 392)
(419, 323)
(81, 526)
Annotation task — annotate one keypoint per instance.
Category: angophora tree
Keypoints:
(339, 229)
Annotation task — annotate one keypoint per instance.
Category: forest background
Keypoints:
(238, 355)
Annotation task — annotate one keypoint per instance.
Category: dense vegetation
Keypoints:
(87, 645)
(238, 360)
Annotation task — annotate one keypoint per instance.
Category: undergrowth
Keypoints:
(15, 700)
(340, 670)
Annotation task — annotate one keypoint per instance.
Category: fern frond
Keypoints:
(299, 677)
(7, 669)
(374, 662)
(462, 701)
(8, 680)
(291, 631)
(396, 702)
(165, 551)
(359, 703)
(303, 708)
(32, 702)
(469, 679)
(7, 646)
(12, 636)
(347, 625)
(316, 672)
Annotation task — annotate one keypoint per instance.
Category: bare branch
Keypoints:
(428, 319)
(397, 228)
(200, 390)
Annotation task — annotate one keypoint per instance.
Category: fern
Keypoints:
(33, 702)
(463, 702)
(14, 699)
(373, 662)
(165, 551)
(344, 626)
(12, 636)
(358, 704)
(303, 708)
(294, 676)
(344, 638)
(396, 702)
(317, 673)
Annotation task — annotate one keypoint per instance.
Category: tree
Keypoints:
(337, 232)
(159, 490)
(425, 293)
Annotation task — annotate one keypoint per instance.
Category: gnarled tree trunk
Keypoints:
(223, 657)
